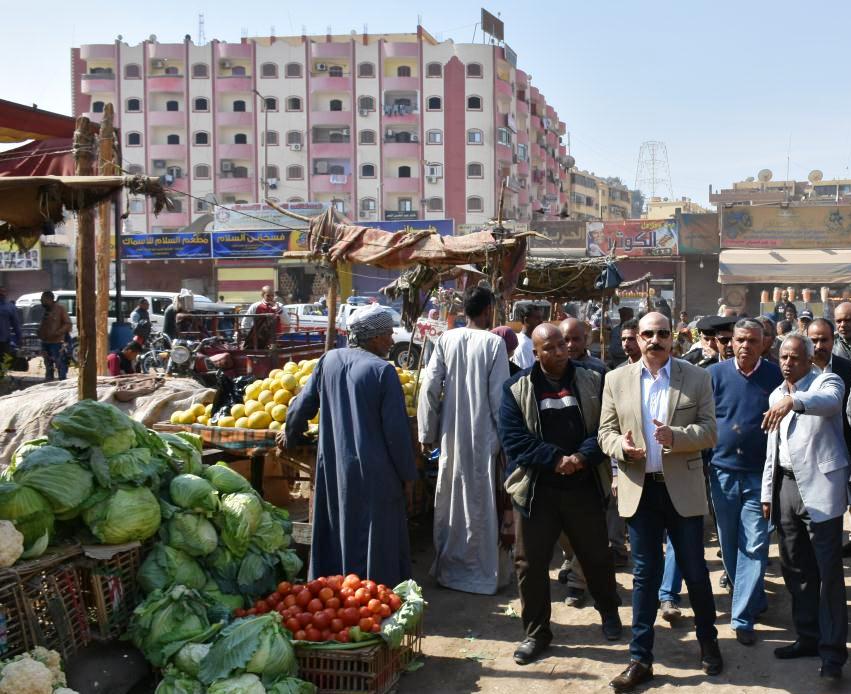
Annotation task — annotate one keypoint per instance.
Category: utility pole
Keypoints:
(107, 168)
(84, 149)
(265, 144)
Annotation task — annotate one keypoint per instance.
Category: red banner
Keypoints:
(633, 237)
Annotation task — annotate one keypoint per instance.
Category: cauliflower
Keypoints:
(11, 544)
(64, 690)
(53, 661)
(26, 676)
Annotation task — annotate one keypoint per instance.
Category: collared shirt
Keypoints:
(523, 356)
(828, 369)
(751, 372)
(654, 405)
(783, 457)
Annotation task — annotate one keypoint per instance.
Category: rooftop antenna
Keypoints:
(653, 172)
(272, 30)
(244, 32)
(788, 161)
(202, 37)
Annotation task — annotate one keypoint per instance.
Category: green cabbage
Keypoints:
(135, 466)
(30, 512)
(25, 449)
(257, 645)
(225, 479)
(243, 684)
(238, 520)
(214, 595)
(176, 682)
(123, 515)
(223, 568)
(64, 484)
(188, 659)
(291, 563)
(184, 451)
(37, 452)
(269, 535)
(191, 533)
(194, 494)
(166, 566)
(291, 685)
(166, 621)
(89, 424)
(406, 618)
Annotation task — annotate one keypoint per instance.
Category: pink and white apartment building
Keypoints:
(383, 126)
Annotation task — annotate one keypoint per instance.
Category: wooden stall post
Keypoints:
(84, 148)
(331, 334)
(107, 168)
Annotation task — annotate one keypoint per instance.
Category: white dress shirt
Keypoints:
(654, 405)
(523, 356)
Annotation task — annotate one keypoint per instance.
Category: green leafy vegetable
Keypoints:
(166, 566)
(123, 515)
(30, 513)
(136, 467)
(184, 451)
(188, 659)
(269, 535)
(64, 484)
(291, 563)
(90, 423)
(23, 450)
(228, 601)
(191, 533)
(238, 520)
(36, 453)
(291, 685)
(243, 684)
(225, 479)
(223, 568)
(405, 620)
(194, 494)
(176, 682)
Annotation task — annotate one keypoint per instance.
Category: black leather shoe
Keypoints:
(529, 650)
(612, 627)
(637, 673)
(746, 637)
(710, 657)
(799, 649)
(831, 671)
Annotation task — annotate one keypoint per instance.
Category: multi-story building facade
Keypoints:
(765, 191)
(382, 126)
(663, 208)
(596, 198)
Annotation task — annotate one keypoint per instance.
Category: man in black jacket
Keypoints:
(548, 423)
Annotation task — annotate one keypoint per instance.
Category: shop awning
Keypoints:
(822, 266)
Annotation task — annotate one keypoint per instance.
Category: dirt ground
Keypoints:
(469, 641)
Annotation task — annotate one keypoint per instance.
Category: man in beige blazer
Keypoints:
(657, 415)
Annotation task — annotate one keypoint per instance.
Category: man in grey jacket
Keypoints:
(805, 493)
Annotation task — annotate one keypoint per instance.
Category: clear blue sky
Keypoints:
(724, 84)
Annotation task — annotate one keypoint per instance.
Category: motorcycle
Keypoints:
(155, 360)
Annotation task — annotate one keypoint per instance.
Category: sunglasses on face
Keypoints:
(661, 334)
(723, 340)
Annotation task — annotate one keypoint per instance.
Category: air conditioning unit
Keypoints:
(345, 132)
(296, 147)
(158, 63)
(363, 112)
(415, 138)
(322, 168)
(273, 181)
(159, 163)
(321, 67)
(434, 170)
(227, 165)
(431, 179)
(388, 133)
(225, 64)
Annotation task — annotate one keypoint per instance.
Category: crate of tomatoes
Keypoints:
(351, 635)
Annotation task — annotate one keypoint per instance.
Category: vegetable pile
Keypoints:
(36, 672)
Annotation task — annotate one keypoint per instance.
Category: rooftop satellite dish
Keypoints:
(569, 162)
(120, 37)
(749, 179)
(765, 175)
(815, 176)
(152, 38)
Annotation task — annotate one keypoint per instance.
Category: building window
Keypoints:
(176, 205)
(366, 70)
(172, 105)
(522, 152)
(474, 70)
(366, 103)
(172, 139)
(292, 70)
(294, 137)
(406, 205)
(134, 105)
(137, 206)
(270, 103)
(270, 137)
(335, 71)
(295, 173)
(367, 205)
(336, 104)
(435, 204)
(272, 172)
(367, 137)
(240, 139)
(404, 172)
(237, 71)
(134, 170)
(201, 104)
(268, 70)
(293, 104)
(202, 138)
(202, 171)
(475, 170)
(336, 170)
(98, 106)
(434, 70)
(172, 71)
(503, 136)
(433, 103)
(367, 171)
(132, 71)
(239, 106)
(134, 139)
(434, 137)
(474, 103)
(200, 70)
(475, 204)
(403, 71)
(474, 137)
(202, 206)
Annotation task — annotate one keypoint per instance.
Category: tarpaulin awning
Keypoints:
(797, 266)
(19, 123)
(51, 157)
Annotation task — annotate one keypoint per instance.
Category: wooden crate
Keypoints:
(373, 669)
(108, 576)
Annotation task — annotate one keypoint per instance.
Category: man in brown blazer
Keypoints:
(657, 415)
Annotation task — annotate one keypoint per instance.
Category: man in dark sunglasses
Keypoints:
(716, 341)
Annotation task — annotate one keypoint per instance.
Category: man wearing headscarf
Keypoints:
(365, 460)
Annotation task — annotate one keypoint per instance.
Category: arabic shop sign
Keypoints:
(166, 246)
(786, 227)
(218, 244)
(256, 244)
(633, 237)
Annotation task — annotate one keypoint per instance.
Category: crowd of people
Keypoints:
(543, 446)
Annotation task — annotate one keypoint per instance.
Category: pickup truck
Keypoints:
(404, 354)
(307, 316)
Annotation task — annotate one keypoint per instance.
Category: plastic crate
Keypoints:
(373, 669)
(110, 587)
(42, 604)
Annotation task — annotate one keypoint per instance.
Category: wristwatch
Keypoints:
(797, 405)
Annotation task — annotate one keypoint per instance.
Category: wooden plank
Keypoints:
(107, 168)
(331, 335)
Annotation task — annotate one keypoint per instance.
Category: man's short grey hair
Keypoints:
(803, 339)
(748, 324)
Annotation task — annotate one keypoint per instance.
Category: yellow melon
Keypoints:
(269, 406)
(265, 396)
(241, 423)
(208, 410)
(198, 409)
(259, 420)
(279, 413)
(290, 367)
(274, 426)
(303, 380)
(237, 411)
(289, 381)
(252, 406)
(176, 416)
(274, 373)
(283, 397)
(187, 417)
(226, 422)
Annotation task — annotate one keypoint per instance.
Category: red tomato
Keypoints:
(351, 581)
(314, 587)
(321, 621)
(382, 588)
(274, 598)
(313, 634)
(343, 636)
(326, 635)
(384, 596)
(298, 588)
(331, 613)
(364, 611)
(300, 635)
(385, 611)
(395, 602)
(335, 583)
(294, 610)
(346, 592)
(252, 611)
(323, 581)
(351, 601)
(261, 606)
(350, 616)
(366, 624)
(238, 612)
(374, 606)
(337, 625)
(315, 605)
(371, 587)
(333, 603)
(282, 609)
(304, 619)
(303, 598)
(292, 624)
(285, 587)
(289, 601)
(376, 628)
(326, 594)
(362, 595)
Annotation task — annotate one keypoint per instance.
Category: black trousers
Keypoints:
(811, 559)
(581, 515)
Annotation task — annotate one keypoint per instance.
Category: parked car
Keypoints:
(405, 354)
